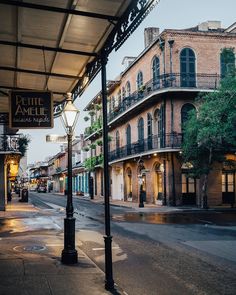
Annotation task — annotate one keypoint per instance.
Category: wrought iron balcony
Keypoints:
(152, 143)
(9, 143)
(174, 80)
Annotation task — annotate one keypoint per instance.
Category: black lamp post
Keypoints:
(69, 118)
(140, 180)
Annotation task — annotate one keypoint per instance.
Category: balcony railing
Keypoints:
(9, 143)
(155, 142)
(174, 80)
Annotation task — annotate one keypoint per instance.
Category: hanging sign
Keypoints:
(31, 109)
(56, 138)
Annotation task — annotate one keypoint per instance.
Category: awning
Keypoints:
(56, 44)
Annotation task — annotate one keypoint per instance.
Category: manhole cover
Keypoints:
(32, 248)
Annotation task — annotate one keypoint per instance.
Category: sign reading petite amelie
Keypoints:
(31, 109)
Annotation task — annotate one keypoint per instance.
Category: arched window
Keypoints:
(128, 184)
(128, 139)
(187, 68)
(149, 130)
(123, 93)
(186, 108)
(156, 72)
(119, 97)
(117, 143)
(159, 126)
(157, 122)
(128, 89)
(141, 135)
(227, 62)
(139, 80)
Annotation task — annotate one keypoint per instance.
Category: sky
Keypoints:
(168, 14)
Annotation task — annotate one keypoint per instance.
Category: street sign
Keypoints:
(56, 138)
(31, 109)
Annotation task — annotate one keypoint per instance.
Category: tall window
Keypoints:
(186, 108)
(141, 135)
(227, 61)
(156, 72)
(119, 97)
(128, 89)
(187, 68)
(123, 93)
(139, 80)
(117, 143)
(228, 187)
(128, 139)
(149, 130)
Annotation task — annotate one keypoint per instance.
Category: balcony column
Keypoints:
(3, 183)
(109, 282)
(164, 176)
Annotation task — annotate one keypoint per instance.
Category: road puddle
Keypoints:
(178, 218)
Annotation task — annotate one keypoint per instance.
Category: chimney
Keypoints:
(209, 26)
(150, 34)
(127, 60)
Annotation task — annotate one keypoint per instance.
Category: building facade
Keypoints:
(147, 107)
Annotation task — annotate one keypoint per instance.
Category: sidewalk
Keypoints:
(31, 241)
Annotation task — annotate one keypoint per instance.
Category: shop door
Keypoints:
(228, 187)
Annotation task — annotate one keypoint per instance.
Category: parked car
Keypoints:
(42, 189)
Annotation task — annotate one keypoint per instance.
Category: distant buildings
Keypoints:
(12, 164)
(147, 106)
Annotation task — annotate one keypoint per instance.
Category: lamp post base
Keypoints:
(69, 257)
(69, 254)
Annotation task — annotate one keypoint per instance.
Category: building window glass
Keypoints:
(187, 68)
(139, 80)
(227, 62)
(128, 139)
(156, 72)
(128, 89)
(228, 186)
(141, 134)
(186, 108)
(149, 130)
(123, 93)
(117, 143)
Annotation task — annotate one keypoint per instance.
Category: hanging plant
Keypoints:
(98, 107)
(92, 113)
(92, 146)
(109, 138)
(85, 149)
(86, 118)
(99, 142)
(23, 143)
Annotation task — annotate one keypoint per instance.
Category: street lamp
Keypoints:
(69, 118)
(140, 181)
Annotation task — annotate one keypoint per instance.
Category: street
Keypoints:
(155, 253)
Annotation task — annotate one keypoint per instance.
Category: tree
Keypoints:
(211, 133)
(23, 143)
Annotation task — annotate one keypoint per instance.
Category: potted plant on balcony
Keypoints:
(91, 113)
(86, 118)
(85, 148)
(141, 89)
(23, 143)
(98, 107)
(99, 142)
(93, 146)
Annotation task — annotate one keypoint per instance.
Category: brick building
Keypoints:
(147, 106)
